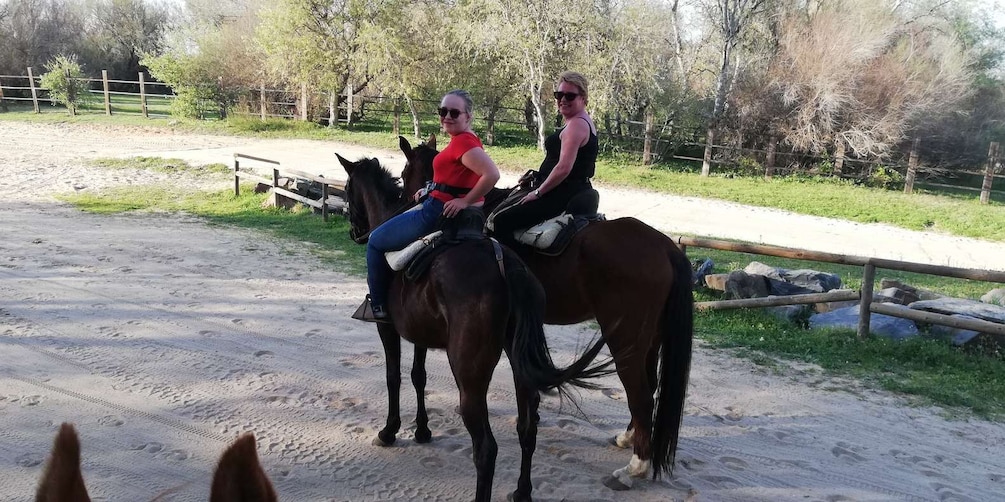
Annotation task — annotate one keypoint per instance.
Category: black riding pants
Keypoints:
(526, 215)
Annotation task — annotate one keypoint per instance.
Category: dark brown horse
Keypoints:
(239, 476)
(636, 283)
(466, 305)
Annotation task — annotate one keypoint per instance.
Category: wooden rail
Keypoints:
(865, 296)
(328, 186)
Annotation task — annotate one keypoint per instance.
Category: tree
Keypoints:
(730, 18)
(66, 82)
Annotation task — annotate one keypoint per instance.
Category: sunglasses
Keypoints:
(453, 112)
(569, 96)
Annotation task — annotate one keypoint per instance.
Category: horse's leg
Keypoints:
(422, 432)
(473, 375)
(627, 439)
(528, 399)
(392, 361)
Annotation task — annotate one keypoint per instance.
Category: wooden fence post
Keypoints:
(261, 101)
(104, 83)
(989, 173)
(839, 152)
(71, 96)
(647, 145)
(324, 202)
(3, 104)
(706, 162)
(397, 116)
(769, 160)
(34, 91)
(143, 96)
(864, 314)
(237, 177)
(303, 102)
(912, 167)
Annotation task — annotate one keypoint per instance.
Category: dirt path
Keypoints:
(163, 338)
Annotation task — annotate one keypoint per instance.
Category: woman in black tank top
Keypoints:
(569, 163)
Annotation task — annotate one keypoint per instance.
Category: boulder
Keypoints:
(995, 297)
(950, 306)
(740, 284)
(958, 336)
(882, 325)
(790, 313)
(716, 281)
(895, 295)
(809, 281)
(922, 294)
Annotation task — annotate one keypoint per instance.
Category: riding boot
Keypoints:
(371, 313)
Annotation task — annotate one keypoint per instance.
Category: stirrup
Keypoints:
(366, 312)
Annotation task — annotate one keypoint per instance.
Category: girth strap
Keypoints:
(499, 255)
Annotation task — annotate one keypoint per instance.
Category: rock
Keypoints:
(879, 324)
(740, 284)
(950, 306)
(782, 288)
(995, 297)
(824, 307)
(790, 313)
(958, 336)
(716, 281)
(922, 294)
(895, 295)
(809, 281)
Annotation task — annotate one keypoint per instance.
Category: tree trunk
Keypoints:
(415, 116)
(706, 163)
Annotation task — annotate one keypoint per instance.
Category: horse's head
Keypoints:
(418, 163)
(371, 193)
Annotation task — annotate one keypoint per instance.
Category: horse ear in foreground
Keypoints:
(636, 283)
(239, 476)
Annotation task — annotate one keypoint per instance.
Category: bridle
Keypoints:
(356, 233)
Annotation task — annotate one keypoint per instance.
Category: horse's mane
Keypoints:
(378, 176)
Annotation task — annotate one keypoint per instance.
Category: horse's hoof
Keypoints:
(423, 437)
(615, 484)
(382, 441)
(514, 497)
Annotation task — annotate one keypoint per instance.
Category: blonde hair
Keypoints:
(577, 79)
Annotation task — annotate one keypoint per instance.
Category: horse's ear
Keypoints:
(348, 166)
(431, 142)
(62, 480)
(406, 147)
(239, 474)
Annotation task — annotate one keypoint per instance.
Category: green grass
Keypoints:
(162, 165)
(955, 213)
(333, 244)
(929, 371)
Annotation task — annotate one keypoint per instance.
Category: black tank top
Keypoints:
(586, 157)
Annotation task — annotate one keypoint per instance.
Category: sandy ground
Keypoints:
(163, 338)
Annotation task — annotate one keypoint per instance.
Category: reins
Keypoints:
(404, 206)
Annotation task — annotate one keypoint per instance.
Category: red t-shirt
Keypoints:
(447, 167)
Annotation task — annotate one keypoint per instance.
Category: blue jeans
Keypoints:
(392, 235)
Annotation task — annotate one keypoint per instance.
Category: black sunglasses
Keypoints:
(569, 96)
(453, 112)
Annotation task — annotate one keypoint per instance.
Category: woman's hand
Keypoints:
(419, 194)
(530, 197)
(454, 206)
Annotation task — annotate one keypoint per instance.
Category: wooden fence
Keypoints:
(640, 138)
(20, 88)
(325, 204)
(864, 296)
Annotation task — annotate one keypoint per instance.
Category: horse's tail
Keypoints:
(677, 329)
(528, 348)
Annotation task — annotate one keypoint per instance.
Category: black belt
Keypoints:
(449, 190)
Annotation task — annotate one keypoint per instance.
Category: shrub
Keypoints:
(66, 83)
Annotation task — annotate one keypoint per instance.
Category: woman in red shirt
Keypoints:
(462, 174)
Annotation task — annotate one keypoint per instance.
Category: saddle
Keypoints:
(553, 235)
(416, 258)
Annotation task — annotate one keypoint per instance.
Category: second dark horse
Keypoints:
(636, 283)
(466, 305)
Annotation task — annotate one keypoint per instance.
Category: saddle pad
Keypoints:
(542, 235)
(399, 259)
